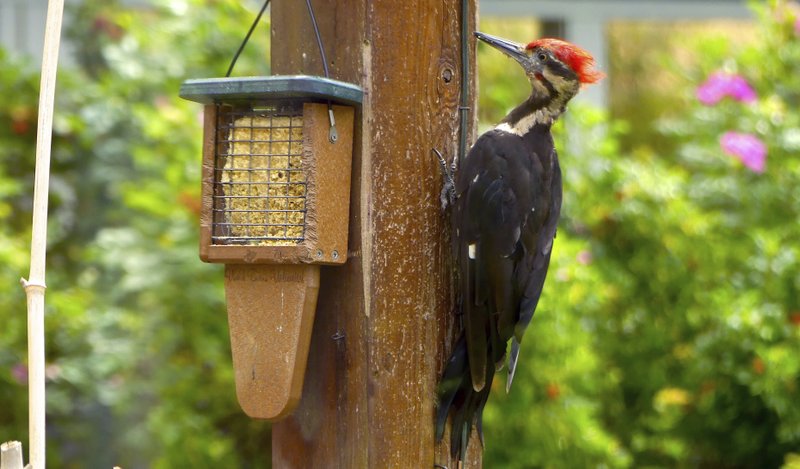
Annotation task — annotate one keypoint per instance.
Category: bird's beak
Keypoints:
(511, 49)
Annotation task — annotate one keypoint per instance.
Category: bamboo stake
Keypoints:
(35, 285)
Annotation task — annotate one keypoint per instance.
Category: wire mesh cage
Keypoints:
(277, 156)
(259, 181)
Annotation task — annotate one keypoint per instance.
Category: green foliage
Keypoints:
(138, 350)
(669, 331)
(499, 76)
(650, 64)
(17, 129)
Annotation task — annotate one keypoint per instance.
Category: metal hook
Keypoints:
(333, 135)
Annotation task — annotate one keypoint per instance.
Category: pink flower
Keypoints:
(721, 84)
(797, 26)
(747, 148)
(19, 373)
(741, 91)
(584, 257)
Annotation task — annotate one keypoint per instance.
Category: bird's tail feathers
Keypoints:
(512, 363)
(452, 380)
(457, 397)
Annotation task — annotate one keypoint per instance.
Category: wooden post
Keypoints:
(384, 323)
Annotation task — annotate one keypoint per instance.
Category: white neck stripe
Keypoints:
(523, 126)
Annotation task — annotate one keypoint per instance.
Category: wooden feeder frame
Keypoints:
(326, 165)
(271, 285)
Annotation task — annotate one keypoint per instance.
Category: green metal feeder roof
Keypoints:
(221, 90)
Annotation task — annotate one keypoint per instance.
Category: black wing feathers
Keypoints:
(508, 193)
(541, 257)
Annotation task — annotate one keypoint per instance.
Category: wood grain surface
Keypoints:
(384, 322)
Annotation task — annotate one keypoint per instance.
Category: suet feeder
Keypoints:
(277, 154)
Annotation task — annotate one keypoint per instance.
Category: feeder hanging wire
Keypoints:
(319, 39)
(463, 107)
(258, 19)
(333, 134)
(246, 38)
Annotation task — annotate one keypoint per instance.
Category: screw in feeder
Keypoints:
(333, 135)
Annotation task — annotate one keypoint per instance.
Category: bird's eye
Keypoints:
(542, 57)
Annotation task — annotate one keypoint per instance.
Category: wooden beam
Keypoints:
(384, 321)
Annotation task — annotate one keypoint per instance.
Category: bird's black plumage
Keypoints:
(507, 204)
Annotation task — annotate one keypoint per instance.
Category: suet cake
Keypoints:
(263, 183)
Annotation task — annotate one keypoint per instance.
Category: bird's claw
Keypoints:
(448, 195)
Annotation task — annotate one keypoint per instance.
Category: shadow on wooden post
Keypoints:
(384, 323)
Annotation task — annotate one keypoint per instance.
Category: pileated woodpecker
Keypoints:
(507, 201)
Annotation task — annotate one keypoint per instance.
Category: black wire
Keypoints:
(319, 40)
(332, 135)
(463, 106)
(246, 38)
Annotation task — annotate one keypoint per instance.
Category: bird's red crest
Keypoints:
(573, 56)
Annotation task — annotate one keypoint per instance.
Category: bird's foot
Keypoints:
(448, 195)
